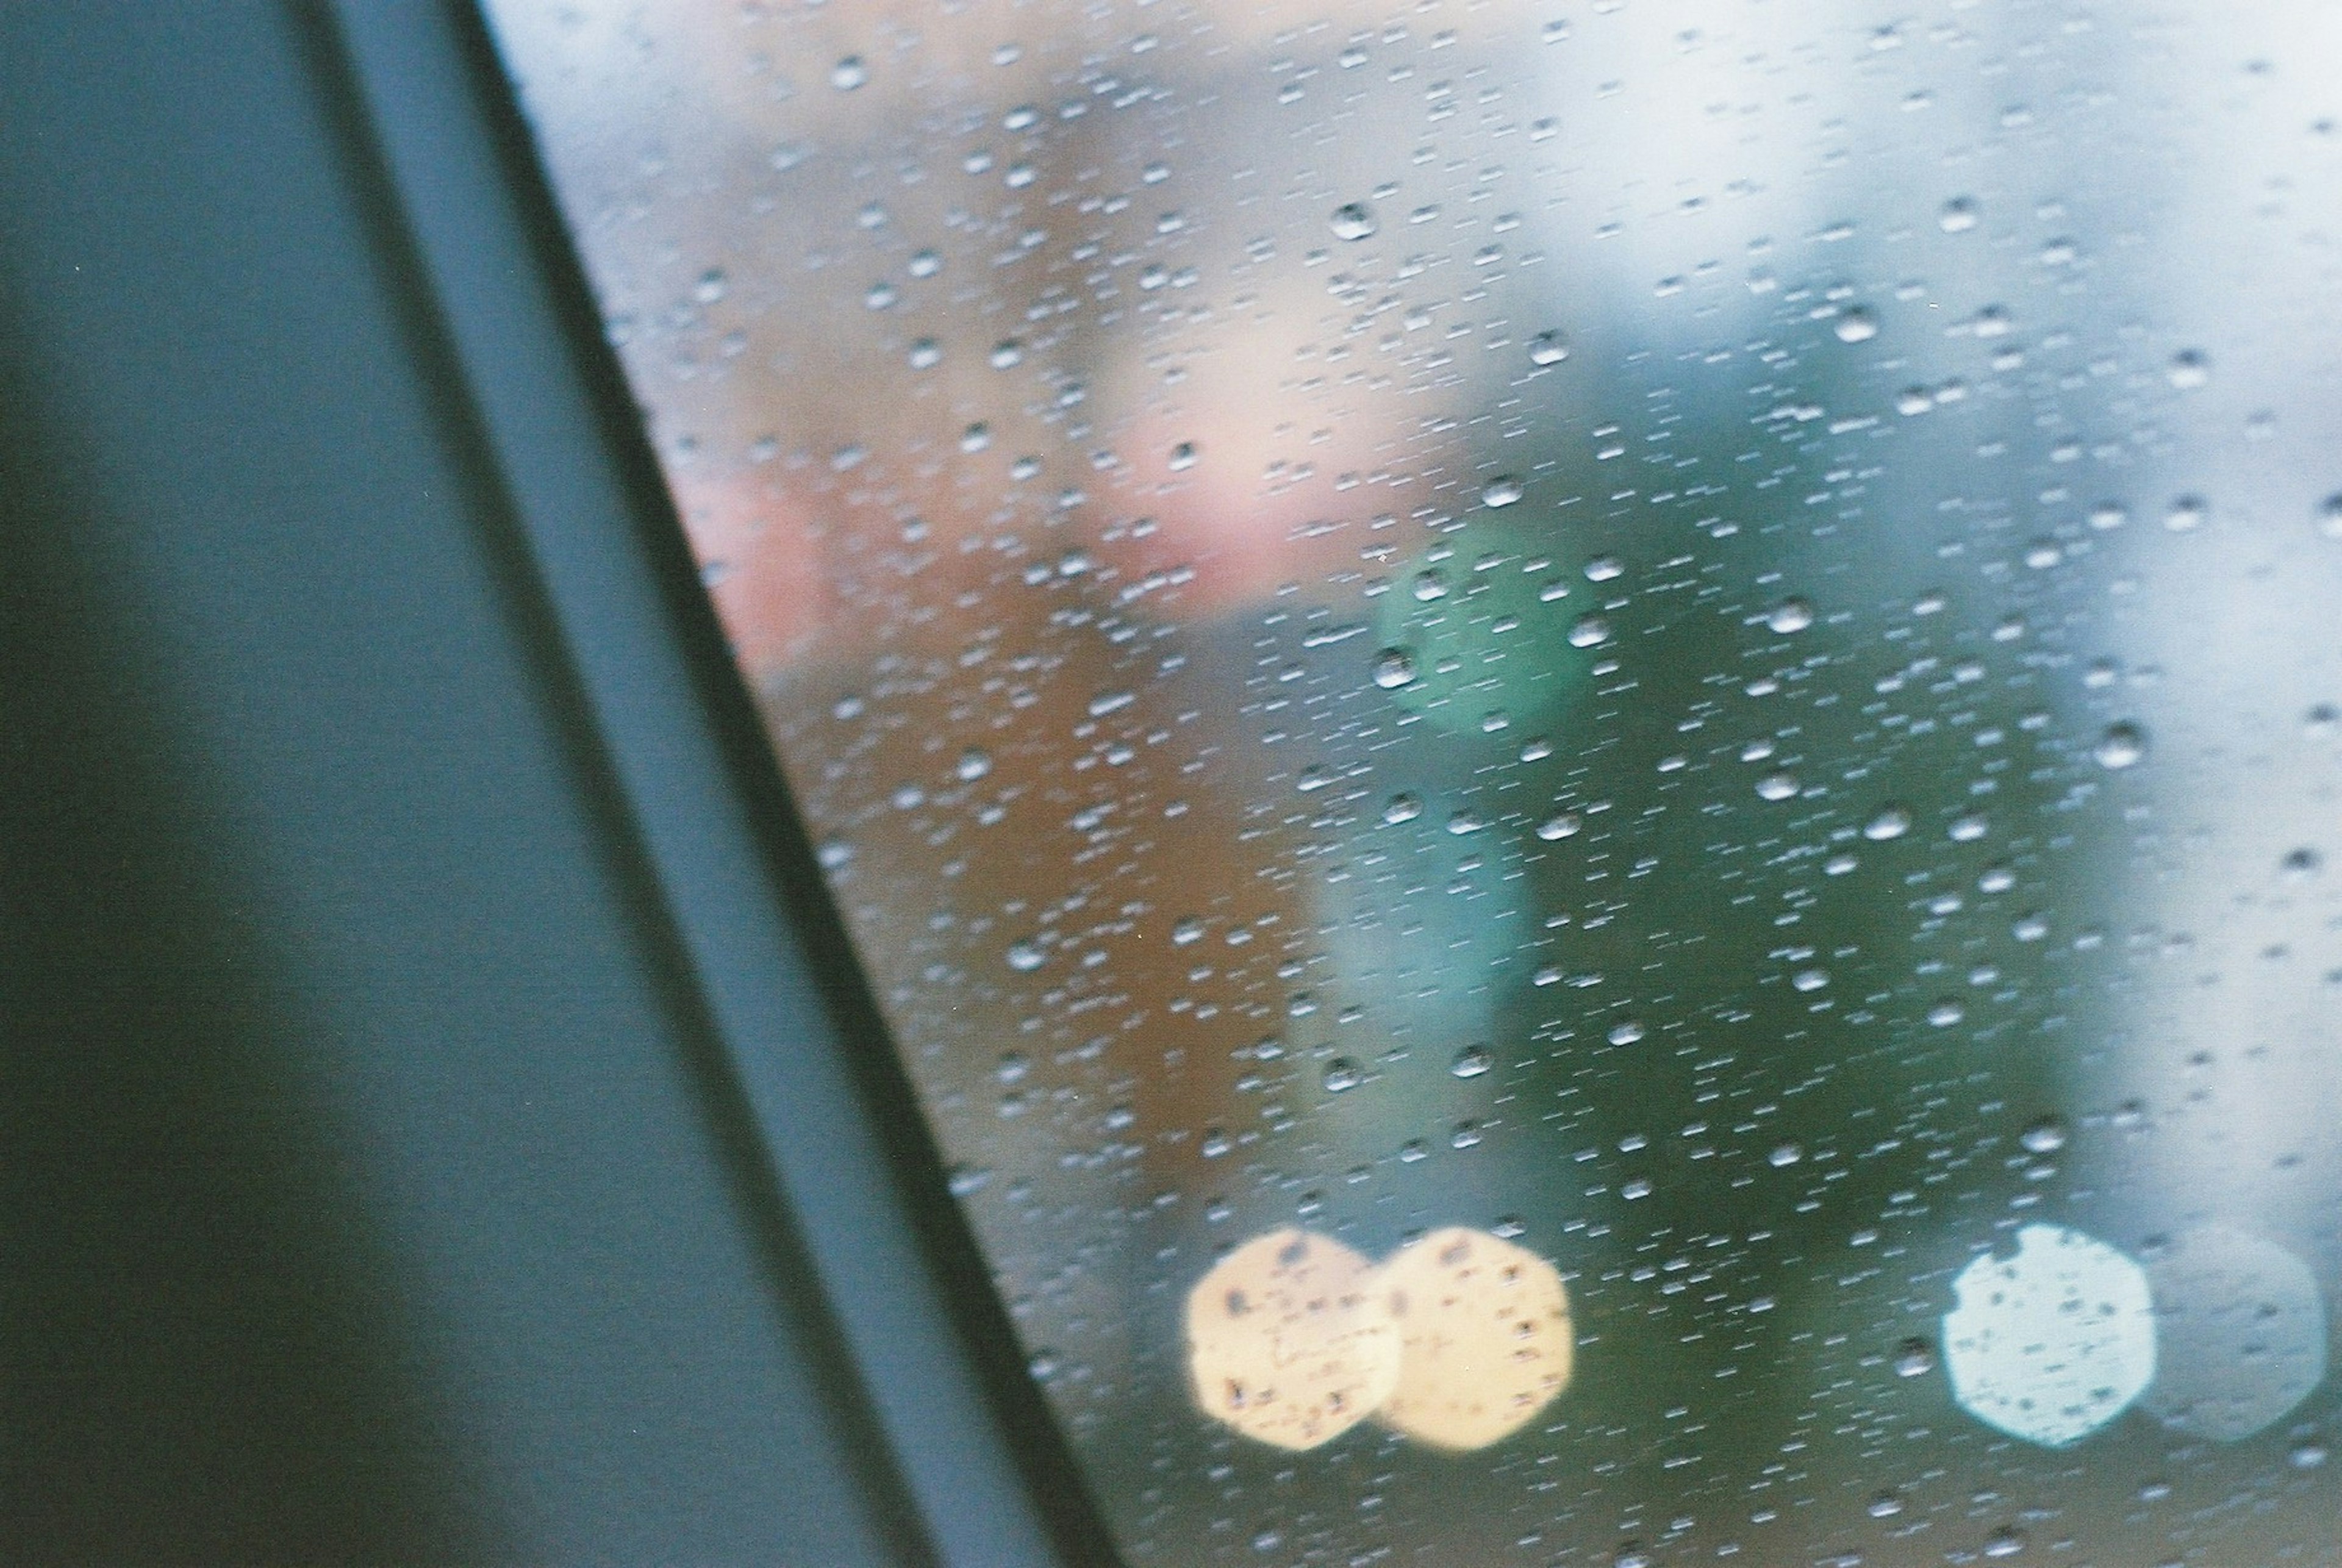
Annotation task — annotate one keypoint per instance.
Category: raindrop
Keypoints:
(1501, 491)
(968, 1180)
(1588, 630)
(1007, 352)
(1562, 824)
(1625, 1034)
(1342, 1073)
(1430, 583)
(711, 287)
(2301, 863)
(1857, 325)
(1394, 667)
(1776, 787)
(1188, 931)
(1402, 808)
(1958, 216)
(848, 74)
(1945, 1014)
(1546, 348)
(1471, 1061)
(2189, 369)
(2044, 1136)
(1183, 456)
(2186, 514)
(1914, 1358)
(1351, 221)
(972, 764)
(1790, 615)
(2007, 1542)
(2122, 746)
(2329, 516)
(1892, 822)
(1024, 957)
(1785, 1155)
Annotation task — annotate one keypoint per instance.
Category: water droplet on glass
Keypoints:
(1546, 348)
(1857, 325)
(2122, 746)
(2329, 516)
(1776, 787)
(1024, 957)
(1784, 1156)
(2044, 1136)
(1430, 583)
(968, 1180)
(1471, 1061)
(1588, 630)
(1885, 1505)
(1183, 456)
(1342, 1073)
(1958, 216)
(1790, 615)
(2186, 514)
(2189, 369)
(1625, 1034)
(1560, 825)
(972, 764)
(2301, 863)
(2007, 1542)
(1501, 491)
(848, 74)
(1007, 352)
(1945, 1014)
(1914, 1358)
(1394, 667)
(1402, 808)
(1351, 221)
(1466, 821)
(1892, 821)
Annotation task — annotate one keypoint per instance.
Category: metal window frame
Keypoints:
(989, 1473)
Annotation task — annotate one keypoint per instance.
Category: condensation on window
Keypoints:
(1589, 752)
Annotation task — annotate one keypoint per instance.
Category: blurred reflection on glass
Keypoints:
(1696, 637)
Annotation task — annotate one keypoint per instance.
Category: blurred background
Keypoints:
(1697, 634)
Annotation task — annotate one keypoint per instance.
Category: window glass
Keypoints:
(1589, 752)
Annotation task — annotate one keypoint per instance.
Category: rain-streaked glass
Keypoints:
(1589, 752)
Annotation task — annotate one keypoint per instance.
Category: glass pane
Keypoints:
(1589, 751)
